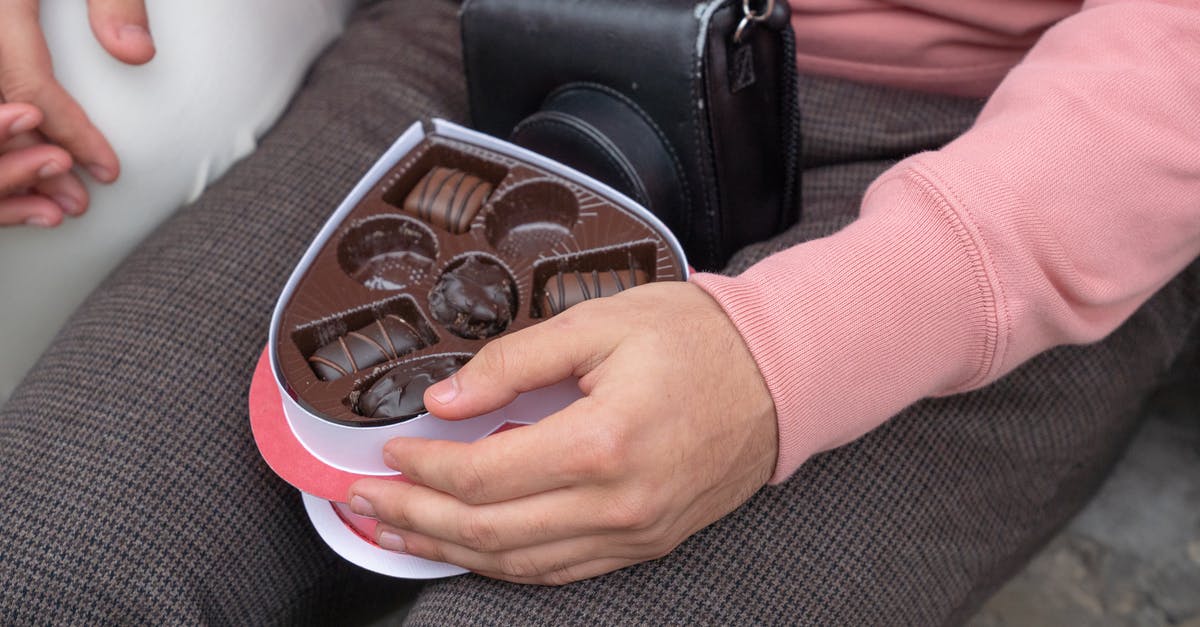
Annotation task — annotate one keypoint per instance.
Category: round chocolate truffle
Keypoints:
(476, 299)
(400, 394)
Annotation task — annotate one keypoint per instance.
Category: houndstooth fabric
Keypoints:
(133, 493)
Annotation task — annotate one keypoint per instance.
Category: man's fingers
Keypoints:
(123, 29)
(25, 168)
(570, 574)
(26, 75)
(572, 446)
(535, 357)
(524, 522)
(521, 563)
(554, 563)
(29, 209)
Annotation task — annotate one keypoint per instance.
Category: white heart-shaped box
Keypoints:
(322, 457)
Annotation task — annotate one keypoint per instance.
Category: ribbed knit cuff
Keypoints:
(850, 329)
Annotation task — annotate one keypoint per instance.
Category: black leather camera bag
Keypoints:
(663, 99)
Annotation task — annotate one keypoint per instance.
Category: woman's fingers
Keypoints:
(25, 168)
(67, 191)
(26, 75)
(123, 29)
(17, 118)
(29, 209)
(20, 156)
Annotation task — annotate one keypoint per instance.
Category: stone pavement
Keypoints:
(1132, 556)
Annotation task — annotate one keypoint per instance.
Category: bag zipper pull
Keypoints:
(751, 17)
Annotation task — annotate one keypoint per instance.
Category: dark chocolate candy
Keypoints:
(567, 289)
(383, 340)
(475, 300)
(400, 393)
(448, 198)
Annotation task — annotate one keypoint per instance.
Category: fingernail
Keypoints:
(100, 173)
(50, 169)
(391, 541)
(70, 205)
(362, 507)
(132, 31)
(445, 391)
(24, 123)
(40, 221)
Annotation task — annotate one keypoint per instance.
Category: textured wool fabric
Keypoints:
(133, 493)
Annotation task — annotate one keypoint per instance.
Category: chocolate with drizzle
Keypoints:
(448, 198)
(383, 340)
(567, 289)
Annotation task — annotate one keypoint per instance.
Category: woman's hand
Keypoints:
(27, 76)
(676, 430)
(35, 185)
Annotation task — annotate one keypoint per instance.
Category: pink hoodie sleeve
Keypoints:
(1074, 198)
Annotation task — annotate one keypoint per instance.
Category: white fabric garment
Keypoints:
(223, 73)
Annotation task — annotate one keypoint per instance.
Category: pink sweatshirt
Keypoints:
(1074, 197)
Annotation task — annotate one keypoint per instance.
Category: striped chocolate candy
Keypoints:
(388, 338)
(567, 289)
(448, 198)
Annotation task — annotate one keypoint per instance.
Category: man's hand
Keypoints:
(676, 430)
(27, 76)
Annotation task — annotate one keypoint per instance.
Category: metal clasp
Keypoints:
(752, 17)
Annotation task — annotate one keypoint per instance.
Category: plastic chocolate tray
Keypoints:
(458, 241)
